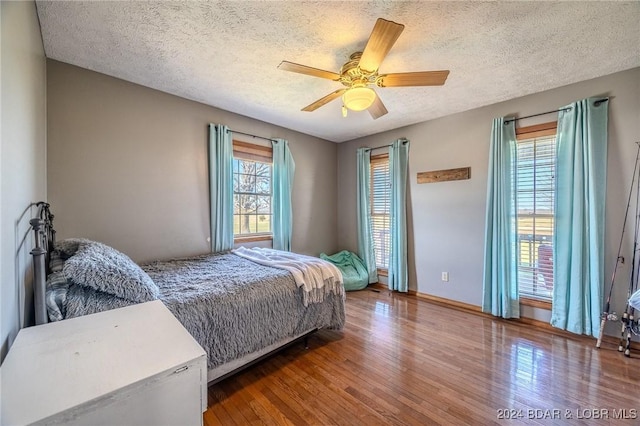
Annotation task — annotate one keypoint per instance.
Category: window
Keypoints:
(535, 206)
(252, 211)
(380, 199)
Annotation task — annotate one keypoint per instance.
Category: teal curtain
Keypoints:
(579, 222)
(363, 207)
(398, 162)
(221, 187)
(500, 281)
(283, 170)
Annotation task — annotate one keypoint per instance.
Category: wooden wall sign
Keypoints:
(445, 175)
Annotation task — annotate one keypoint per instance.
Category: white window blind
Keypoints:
(381, 209)
(535, 204)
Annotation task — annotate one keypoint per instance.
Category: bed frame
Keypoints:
(223, 371)
(45, 239)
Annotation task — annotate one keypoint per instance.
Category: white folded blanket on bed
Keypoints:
(317, 277)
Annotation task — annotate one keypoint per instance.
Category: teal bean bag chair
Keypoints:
(354, 273)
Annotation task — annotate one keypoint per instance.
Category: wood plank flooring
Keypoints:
(403, 360)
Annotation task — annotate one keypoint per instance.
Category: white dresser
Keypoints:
(131, 366)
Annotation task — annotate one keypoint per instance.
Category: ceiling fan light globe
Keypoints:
(359, 98)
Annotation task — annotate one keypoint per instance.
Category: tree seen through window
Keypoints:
(251, 197)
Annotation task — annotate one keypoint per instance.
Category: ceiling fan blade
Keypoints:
(377, 109)
(423, 78)
(382, 38)
(303, 69)
(323, 101)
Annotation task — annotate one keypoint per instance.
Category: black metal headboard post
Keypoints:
(42, 227)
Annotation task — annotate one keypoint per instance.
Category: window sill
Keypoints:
(252, 238)
(383, 272)
(541, 304)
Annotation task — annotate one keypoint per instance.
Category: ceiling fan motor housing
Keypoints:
(351, 74)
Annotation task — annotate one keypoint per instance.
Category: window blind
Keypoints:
(381, 209)
(535, 205)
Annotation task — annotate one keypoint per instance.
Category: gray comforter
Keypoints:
(230, 305)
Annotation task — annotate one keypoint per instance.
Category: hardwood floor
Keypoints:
(403, 360)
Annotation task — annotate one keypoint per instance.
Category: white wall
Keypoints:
(23, 159)
(127, 165)
(446, 220)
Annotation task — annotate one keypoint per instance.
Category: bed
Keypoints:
(239, 310)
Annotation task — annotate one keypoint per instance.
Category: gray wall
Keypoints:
(446, 225)
(127, 165)
(23, 160)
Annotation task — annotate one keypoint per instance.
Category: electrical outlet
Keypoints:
(445, 276)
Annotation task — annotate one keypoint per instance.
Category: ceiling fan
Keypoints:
(361, 71)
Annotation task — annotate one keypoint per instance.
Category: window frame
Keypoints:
(373, 160)
(527, 133)
(259, 153)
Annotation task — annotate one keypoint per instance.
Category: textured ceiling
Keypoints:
(225, 54)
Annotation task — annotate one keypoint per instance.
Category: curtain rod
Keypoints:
(386, 146)
(249, 134)
(596, 103)
(380, 147)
